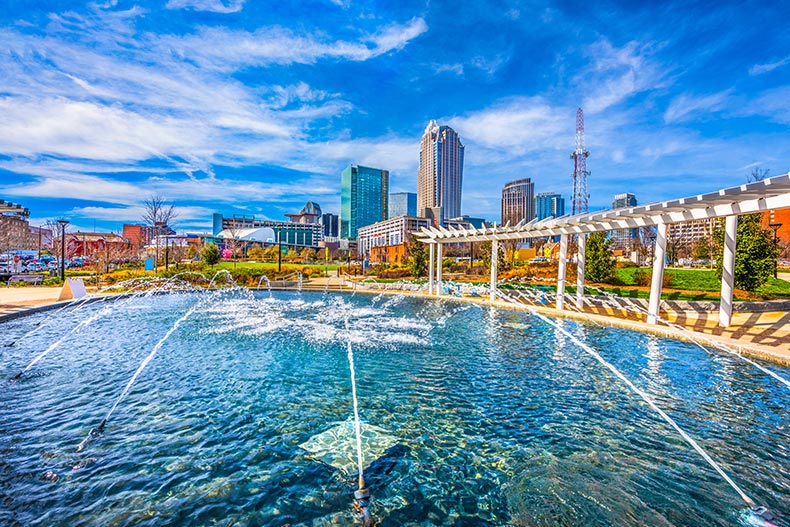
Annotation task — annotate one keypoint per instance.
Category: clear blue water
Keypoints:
(500, 420)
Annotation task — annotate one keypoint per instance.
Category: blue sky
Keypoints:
(255, 107)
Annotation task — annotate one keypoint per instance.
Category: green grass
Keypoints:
(690, 279)
(702, 280)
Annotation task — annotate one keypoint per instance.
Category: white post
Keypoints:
(561, 271)
(438, 268)
(728, 271)
(431, 252)
(582, 240)
(658, 274)
(494, 264)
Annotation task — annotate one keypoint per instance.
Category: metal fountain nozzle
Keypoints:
(362, 497)
(763, 513)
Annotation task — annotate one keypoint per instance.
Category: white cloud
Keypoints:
(63, 127)
(221, 49)
(457, 69)
(134, 214)
(177, 188)
(216, 6)
(685, 107)
(616, 74)
(773, 104)
(516, 126)
(759, 69)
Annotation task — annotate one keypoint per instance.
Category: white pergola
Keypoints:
(728, 203)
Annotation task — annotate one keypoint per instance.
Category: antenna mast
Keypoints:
(580, 173)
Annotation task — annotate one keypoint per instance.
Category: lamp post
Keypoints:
(279, 248)
(63, 224)
(775, 227)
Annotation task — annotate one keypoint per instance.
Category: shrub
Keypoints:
(644, 277)
(210, 254)
(400, 272)
(256, 253)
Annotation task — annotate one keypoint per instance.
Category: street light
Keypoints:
(775, 227)
(63, 224)
(279, 248)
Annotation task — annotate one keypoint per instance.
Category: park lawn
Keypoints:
(688, 279)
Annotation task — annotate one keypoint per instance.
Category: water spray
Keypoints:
(757, 510)
(362, 494)
(98, 431)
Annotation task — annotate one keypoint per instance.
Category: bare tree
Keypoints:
(757, 174)
(158, 214)
(232, 241)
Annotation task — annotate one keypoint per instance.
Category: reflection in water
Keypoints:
(483, 417)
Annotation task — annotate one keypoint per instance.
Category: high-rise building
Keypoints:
(518, 201)
(549, 205)
(624, 200)
(623, 239)
(402, 204)
(310, 213)
(440, 174)
(331, 224)
(363, 198)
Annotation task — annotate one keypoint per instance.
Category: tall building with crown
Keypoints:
(440, 174)
(518, 201)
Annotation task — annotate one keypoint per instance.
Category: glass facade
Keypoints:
(623, 239)
(363, 198)
(549, 205)
(402, 204)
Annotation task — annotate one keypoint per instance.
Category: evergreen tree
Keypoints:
(599, 263)
(210, 254)
(486, 249)
(754, 253)
(418, 257)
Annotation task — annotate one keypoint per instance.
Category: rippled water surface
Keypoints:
(498, 418)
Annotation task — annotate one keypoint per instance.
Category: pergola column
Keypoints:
(494, 264)
(438, 268)
(658, 274)
(728, 271)
(431, 258)
(582, 241)
(561, 272)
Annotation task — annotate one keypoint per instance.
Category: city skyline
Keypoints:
(232, 106)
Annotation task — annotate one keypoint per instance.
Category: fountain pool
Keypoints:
(470, 416)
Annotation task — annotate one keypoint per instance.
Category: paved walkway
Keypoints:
(16, 299)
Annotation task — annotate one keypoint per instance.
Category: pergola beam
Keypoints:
(745, 199)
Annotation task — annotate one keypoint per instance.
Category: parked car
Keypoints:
(539, 259)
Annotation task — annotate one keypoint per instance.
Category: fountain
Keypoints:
(272, 408)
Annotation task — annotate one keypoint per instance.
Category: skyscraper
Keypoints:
(330, 223)
(549, 205)
(402, 204)
(624, 200)
(363, 198)
(440, 174)
(518, 201)
(623, 239)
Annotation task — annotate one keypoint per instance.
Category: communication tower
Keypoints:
(580, 173)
